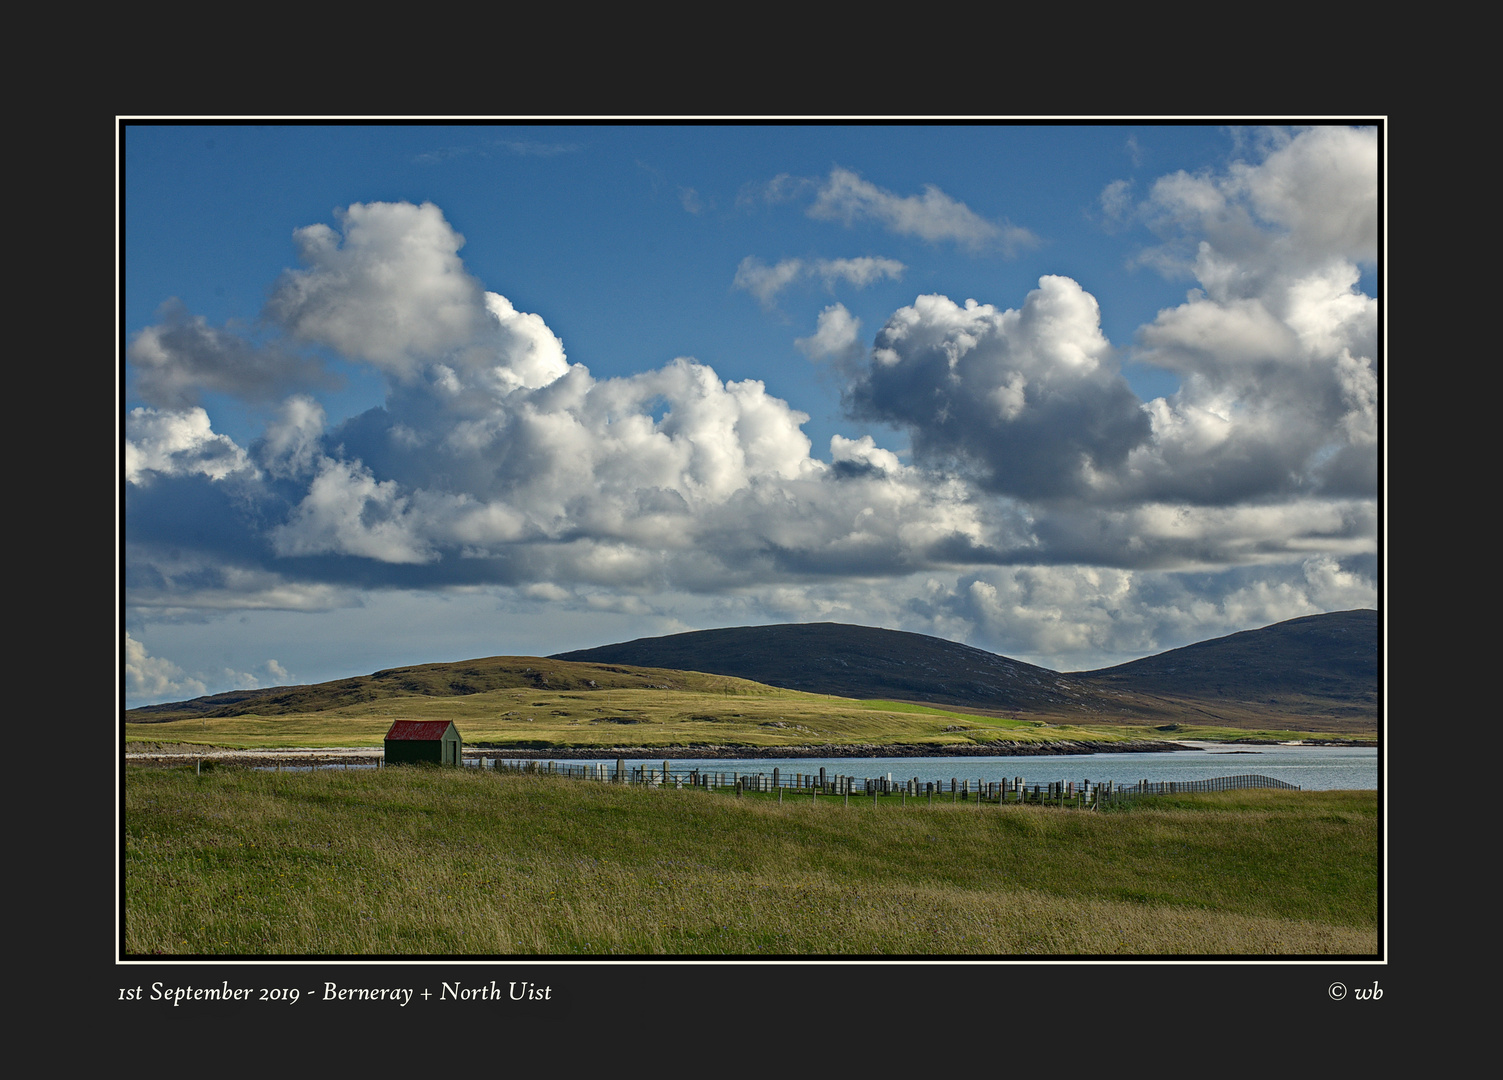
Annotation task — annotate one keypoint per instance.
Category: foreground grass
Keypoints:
(454, 862)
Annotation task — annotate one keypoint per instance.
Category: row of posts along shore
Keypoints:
(1064, 793)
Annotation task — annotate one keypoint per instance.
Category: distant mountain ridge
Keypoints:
(1318, 665)
(847, 661)
(1318, 672)
(1333, 655)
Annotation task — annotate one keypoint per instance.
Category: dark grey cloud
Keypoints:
(177, 361)
(1030, 401)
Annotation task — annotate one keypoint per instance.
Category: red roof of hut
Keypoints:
(418, 730)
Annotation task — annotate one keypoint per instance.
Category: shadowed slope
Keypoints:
(1333, 656)
(857, 662)
(1318, 672)
(1316, 666)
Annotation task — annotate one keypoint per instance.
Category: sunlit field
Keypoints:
(425, 861)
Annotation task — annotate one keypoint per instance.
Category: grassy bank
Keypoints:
(729, 713)
(452, 862)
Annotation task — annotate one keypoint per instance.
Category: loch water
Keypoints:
(1312, 768)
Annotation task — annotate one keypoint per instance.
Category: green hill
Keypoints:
(459, 679)
(1318, 673)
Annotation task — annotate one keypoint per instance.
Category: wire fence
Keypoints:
(1082, 795)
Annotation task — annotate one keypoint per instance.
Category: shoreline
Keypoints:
(841, 750)
(182, 753)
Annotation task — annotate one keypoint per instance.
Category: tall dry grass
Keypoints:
(459, 862)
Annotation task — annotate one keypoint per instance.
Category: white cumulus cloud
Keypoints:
(1029, 398)
(152, 678)
(1043, 509)
(388, 288)
(179, 443)
(837, 336)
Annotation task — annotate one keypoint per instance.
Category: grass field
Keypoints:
(464, 862)
(716, 712)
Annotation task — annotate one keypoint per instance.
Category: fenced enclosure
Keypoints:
(1064, 793)
(1185, 787)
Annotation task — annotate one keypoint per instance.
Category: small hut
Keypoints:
(433, 742)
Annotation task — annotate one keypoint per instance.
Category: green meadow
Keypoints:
(434, 862)
(726, 713)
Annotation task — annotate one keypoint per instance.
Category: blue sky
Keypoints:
(406, 393)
